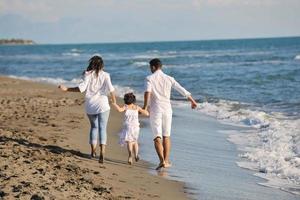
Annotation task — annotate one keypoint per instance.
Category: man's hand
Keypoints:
(193, 105)
(193, 102)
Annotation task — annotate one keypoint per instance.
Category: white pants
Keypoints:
(161, 123)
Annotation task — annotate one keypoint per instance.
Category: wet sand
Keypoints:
(44, 151)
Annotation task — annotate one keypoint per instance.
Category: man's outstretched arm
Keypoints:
(193, 102)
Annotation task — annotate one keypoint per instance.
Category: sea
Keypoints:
(243, 140)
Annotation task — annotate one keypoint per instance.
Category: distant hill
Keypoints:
(16, 42)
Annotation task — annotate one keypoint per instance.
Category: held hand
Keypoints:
(63, 88)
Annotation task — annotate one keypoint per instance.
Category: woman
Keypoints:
(97, 85)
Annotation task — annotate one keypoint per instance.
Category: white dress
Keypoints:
(131, 126)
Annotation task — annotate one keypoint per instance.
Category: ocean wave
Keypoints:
(74, 54)
(297, 57)
(272, 147)
(76, 50)
(120, 90)
(52, 81)
(140, 64)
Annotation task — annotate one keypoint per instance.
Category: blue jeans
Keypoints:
(98, 127)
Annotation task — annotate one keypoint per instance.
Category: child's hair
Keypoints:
(129, 98)
(95, 64)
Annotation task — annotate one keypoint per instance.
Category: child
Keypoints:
(131, 125)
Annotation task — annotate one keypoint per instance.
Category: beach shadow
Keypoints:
(50, 148)
(123, 162)
(59, 150)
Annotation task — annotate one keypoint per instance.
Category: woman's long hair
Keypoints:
(95, 64)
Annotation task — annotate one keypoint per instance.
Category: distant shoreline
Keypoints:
(16, 42)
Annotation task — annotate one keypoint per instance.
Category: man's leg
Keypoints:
(166, 149)
(160, 152)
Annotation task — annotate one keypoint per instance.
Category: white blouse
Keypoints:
(160, 85)
(96, 89)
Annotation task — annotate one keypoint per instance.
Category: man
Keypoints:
(157, 97)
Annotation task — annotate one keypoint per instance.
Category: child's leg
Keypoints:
(129, 147)
(136, 151)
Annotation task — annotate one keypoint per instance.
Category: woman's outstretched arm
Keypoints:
(66, 89)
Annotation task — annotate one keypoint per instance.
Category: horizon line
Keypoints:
(162, 41)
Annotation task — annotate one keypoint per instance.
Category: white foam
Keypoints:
(119, 90)
(141, 64)
(74, 54)
(76, 50)
(297, 57)
(52, 81)
(271, 147)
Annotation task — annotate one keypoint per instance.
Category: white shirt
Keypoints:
(160, 85)
(96, 89)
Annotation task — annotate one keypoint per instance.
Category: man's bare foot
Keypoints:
(130, 160)
(137, 158)
(101, 159)
(168, 164)
(161, 165)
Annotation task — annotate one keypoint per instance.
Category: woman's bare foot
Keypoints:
(137, 158)
(93, 155)
(130, 160)
(101, 159)
(161, 165)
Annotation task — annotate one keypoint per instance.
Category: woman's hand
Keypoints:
(63, 88)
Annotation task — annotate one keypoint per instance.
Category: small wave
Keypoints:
(140, 64)
(297, 57)
(52, 81)
(76, 50)
(120, 90)
(75, 54)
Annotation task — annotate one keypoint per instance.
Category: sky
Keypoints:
(100, 21)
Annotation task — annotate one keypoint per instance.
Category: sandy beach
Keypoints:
(44, 151)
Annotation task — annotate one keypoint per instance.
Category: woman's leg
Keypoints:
(130, 147)
(93, 133)
(102, 122)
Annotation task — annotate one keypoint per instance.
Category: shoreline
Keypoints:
(44, 141)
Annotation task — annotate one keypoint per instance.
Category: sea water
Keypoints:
(252, 83)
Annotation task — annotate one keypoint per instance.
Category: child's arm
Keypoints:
(118, 108)
(143, 111)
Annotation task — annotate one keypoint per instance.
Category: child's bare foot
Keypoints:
(161, 165)
(130, 160)
(101, 159)
(137, 158)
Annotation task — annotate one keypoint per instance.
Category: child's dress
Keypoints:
(131, 126)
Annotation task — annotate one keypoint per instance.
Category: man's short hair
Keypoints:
(156, 63)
